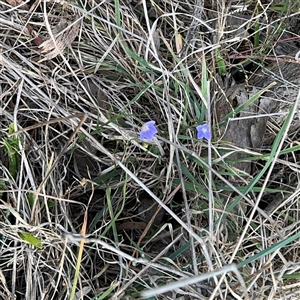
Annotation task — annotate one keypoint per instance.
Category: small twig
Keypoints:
(270, 58)
(268, 265)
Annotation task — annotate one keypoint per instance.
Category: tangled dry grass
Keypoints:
(87, 210)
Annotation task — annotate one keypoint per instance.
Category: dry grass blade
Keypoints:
(88, 210)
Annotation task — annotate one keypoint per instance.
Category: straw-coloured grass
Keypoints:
(88, 210)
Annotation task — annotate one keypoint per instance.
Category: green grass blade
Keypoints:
(246, 104)
(221, 64)
(31, 239)
(269, 250)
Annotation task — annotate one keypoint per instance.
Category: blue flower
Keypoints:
(148, 131)
(203, 132)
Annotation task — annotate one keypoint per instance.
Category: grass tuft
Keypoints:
(88, 210)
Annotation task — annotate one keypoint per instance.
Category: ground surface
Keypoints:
(88, 210)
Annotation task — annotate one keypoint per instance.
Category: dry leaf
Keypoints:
(20, 3)
(64, 34)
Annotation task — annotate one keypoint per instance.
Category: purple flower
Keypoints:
(148, 131)
(203, 132)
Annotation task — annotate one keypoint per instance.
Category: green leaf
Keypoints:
(256, 30)
(291, 276)
(107, 292)
(30, 239)
(221, 64)
(31, 198)
(2, 187)
(11, 147)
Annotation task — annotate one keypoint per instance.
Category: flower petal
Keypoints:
(148, 131)
(203, 131)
